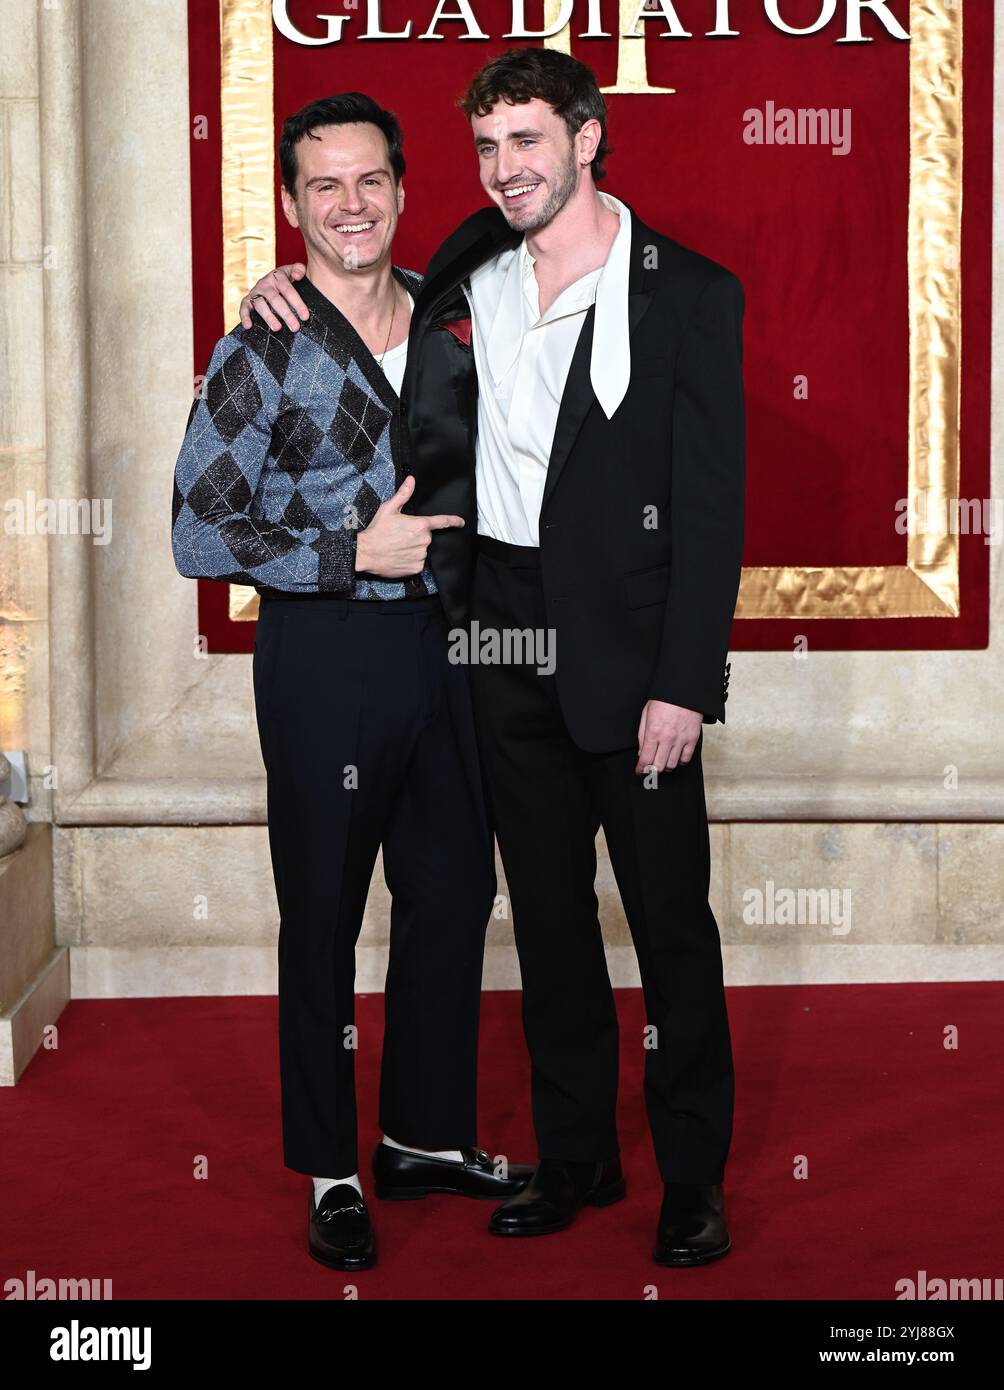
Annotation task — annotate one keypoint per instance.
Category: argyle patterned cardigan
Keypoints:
(289, 450)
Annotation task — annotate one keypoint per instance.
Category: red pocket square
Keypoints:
(460, 328)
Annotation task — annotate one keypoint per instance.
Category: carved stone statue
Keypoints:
(13, 826)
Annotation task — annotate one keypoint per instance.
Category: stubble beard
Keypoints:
(565, 185)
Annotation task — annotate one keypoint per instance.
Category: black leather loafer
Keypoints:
(400, 1175)
(555, 1194)
(341, 1235)
(692, 1227)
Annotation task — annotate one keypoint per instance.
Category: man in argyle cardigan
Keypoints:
(291, 477)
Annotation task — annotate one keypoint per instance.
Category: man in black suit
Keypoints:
(591, 369)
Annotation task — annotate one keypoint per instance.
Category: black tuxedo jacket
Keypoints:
(641, 525)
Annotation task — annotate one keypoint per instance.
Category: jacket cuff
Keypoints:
(711, 707)
(710, 710)
(336, 560)
(708, 713)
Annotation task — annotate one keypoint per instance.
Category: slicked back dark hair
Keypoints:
(347, 108)
(520, 74)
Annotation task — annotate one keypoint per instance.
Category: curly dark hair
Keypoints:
(520, 74)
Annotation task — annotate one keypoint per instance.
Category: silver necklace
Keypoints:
(389, 332)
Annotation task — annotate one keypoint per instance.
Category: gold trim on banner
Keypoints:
(927, 585)
(248, 176)
(248, 138)
(935, 241)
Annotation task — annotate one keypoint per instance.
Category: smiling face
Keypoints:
(529, 164)
(347, 203)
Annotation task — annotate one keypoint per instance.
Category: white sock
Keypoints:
(321, 1185)
(454, 1155)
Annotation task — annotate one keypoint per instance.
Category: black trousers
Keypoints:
(368, 740)
(548, 798)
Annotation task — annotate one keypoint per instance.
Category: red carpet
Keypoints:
(902, 1139)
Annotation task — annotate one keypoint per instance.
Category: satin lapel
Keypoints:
(576, 399)
(578, 395)
(447, 279)
(638, 303)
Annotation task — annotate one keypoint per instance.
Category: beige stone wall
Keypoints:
(23, 568)
(830, 773)
(923, 903)
(34, 974)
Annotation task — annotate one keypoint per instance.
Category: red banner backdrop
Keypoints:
(821, 242)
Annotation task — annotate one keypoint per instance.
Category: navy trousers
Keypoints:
(367, 737)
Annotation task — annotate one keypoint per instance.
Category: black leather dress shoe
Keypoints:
(341, 1235)
(692, 1227)
(555, 1194)
(400, 1175)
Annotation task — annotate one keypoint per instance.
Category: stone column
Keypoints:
(34, 972)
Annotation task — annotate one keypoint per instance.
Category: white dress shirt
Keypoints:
(522, 359)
